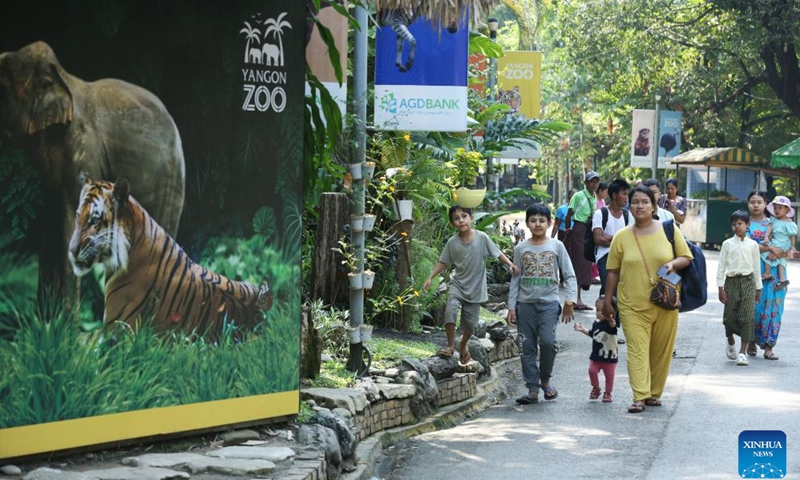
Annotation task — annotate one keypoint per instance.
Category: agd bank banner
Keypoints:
(420, 73)
(150, 251)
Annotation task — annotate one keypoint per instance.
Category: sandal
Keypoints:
(751, 349)
(595, 393)
(607, 397)
(446, 352)
(583, 306)
(636, 407)
(527, 399)
(464, 358)
(652, 402)
(781, 285)
(770, 356)
(550, 392)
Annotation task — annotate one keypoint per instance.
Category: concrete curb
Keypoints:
(370, 451)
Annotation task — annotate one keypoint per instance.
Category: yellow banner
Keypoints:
(519, 77)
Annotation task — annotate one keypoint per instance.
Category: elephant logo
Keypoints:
(608, 348)
(268, 54)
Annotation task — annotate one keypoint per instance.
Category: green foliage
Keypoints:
(18, 281)
(389, 353)
(331, 324)
(332, 375)
(21, 194)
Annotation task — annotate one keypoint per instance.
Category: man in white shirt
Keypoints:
(655, 187)
(617, 216)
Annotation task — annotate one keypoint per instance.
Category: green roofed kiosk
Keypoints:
(718, 181)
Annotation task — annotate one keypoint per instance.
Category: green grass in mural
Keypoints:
(52, 369)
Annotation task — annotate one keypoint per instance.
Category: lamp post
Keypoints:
(655, 139)
(493, 23)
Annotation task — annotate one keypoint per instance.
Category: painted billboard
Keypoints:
(420, 73)
(150, 162)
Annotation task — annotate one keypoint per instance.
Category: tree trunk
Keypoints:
(310, 347)
(402, 271)
(329, 281)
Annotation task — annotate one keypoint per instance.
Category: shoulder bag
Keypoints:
(664, 293)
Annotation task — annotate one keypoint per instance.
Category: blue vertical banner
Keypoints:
(420, 73)
(669, 137)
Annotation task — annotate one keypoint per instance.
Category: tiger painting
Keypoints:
(512, 98)
(148, 275)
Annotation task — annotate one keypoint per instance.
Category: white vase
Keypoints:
(357, 223)
(354, 334)
(366, 333)
(356, 281)
(369, 222)
(367, 279)
(405, 208)
(368, 170)
(355, 170)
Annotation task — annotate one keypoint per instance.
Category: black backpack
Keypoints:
(694, 283)
(589, 248)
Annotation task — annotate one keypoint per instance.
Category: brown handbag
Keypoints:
(664, 293)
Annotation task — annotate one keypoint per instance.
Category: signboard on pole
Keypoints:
(319, 61)
(669, 133)
(642, 144)
(420, 74)
(519, 80)
(187, 120)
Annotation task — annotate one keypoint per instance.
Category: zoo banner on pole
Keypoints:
(643, 124)
(420, 74)
(669, 133)
(519, 80)
(154, 155)
(319, 61)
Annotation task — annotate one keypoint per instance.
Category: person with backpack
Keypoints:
(581, 209)
(606, 222)
(636, 256)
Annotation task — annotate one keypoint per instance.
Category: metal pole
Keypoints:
(655, 140)
(360, 51)
(490, 89)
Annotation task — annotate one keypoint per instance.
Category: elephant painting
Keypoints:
(107, 128)
(270, 54)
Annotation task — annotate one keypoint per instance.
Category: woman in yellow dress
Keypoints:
(649, 330)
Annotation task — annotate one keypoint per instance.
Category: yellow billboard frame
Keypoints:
(103, 429)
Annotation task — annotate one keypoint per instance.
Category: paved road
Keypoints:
(708, 401)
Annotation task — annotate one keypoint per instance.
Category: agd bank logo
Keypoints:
(264, 79)
(389, 103)
(762, 454)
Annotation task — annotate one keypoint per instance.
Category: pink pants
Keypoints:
(608, 372)
(595, 271)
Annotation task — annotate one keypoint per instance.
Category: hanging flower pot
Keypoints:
(357, 223)
(469, 198)
(369, 222)
(354, 334)
(367, 279)
(366, 333)
(405, 209)
(355, 170)
(368, 170)
(356, 281)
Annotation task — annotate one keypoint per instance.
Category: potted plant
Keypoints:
(466, 166)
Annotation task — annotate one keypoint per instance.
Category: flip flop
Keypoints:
(446, 352)
(652, 402)
(636, 407)
(751, 349)
(770, 356)
(527, 399)
(464, 358)
(550, 392)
